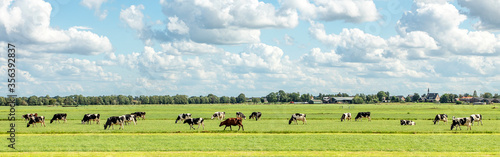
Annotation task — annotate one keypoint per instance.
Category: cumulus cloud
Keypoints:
(96, 5)
(28, 22)
(189, 48)
(350, 11)
(486, 10)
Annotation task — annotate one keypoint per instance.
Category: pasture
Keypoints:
(324, 134)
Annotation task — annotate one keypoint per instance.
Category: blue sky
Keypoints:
(192, 47)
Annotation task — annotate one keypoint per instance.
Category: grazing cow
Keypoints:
(129, 118)
(346, 117)
(255, 115)
(114, 121)
(362, 115)
(407, 122)
(91, 117)
(298, 116)
(28, 116)
(476, 118)
(195, 121)
(232, 122)
(183, 117)
(457, 122)
(441, 117)
(219, 115)
(59, 116)
(240, 115)
(140, 114)
(35, 120)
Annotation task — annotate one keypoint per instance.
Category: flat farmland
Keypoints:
(323, 135)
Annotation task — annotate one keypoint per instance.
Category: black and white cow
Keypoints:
(219, 115)
(114, 121)
(59, 116)
(346, 117)
(362, 115)
(407, 122)
(241, 115)
(195, 121)
(140, 114)
(183, 117)
(28, 116)
(476, 118)
(457, 122)
(35, 120)
(128, 118)
(91, 117)
(298, 116)
(441, 117)
(255, 115)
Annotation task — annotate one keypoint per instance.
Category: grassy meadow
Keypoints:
(270, 136)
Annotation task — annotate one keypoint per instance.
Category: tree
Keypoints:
(241, 98)
(487, 95)
(357, 100)
(256, 100)
(32, 101)
(415, 97)
(444, 98)
(496, 95)
(381, 95)
(272, 97)
(282, 96)
(475, 94)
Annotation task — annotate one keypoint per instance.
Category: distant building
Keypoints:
(400, 97)
(432, 97)
(341, 100)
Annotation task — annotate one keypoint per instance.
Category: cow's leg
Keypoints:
(481, 122)
(225, 127)
(203, 125)
(369, 118)
(230, 128)
(199, 126)
(135, 123)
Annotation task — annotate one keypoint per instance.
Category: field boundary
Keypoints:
(253, 153)
(241, 134)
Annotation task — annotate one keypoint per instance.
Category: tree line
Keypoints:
(273, 97)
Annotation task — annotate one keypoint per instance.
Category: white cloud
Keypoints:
(350, 11)
(486, 10)
(96, 5)
(288, 39)
(177, 26)
(189, 48)
(315, 57)
(133, 17)
(28, 22)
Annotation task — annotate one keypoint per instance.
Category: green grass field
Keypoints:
(324, 134)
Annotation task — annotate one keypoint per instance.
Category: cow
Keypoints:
(140, 114)
(128, 118)
(345, 117)
(407, 122)
(255, 115)
(457, 122)
(91, 117)
(219, 115)
(298, 116)
(240, 115)
(28, 116)
(362, 115)
(195, 121)
(114, 121)
(232, 122)
(35, 120)
(476, 118)
(59, 116)
(440, 117)
(183, 117)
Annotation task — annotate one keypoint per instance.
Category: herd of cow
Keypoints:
(238, 121)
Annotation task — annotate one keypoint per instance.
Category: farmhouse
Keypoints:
(401, 98)
(342, 100)
(431, 97)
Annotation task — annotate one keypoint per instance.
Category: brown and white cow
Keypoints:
(345, 117)
(35, 120)
(140, 114)
(240, 115)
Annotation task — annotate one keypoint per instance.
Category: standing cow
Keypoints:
(255, 115)
(440, 117)
(232, 122)
(140, 114)
(345, 117)
(240, 115)
(114, 121)
(28, 116)
(128, 118)
(362, 115)
(195, 121)
(298, 116)
(219, 115)
(183, 117)
(476, 118)
(457, 122)
(35, 120)
(59, 116)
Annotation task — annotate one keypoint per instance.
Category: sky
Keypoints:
(228, 47)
